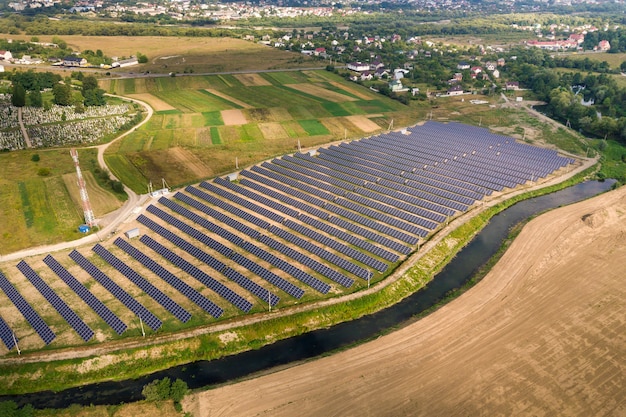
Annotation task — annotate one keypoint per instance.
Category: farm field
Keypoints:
(250, 117)
(167, 54)
(41, 209)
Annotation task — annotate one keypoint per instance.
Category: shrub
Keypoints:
(35, 157)
(43, 172)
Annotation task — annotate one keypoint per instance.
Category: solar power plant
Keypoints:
(216, 286)
(7, 335)
(203, 302)
(156, 294)
(103, 311)
(257, 269)
(59, 305)
(46, 334)
(133, 305)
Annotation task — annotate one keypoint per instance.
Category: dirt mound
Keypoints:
(595, 219)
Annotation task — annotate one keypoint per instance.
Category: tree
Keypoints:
(178, 390)
(35, 99)
(89, 83)
(62, 94)
(18, 95)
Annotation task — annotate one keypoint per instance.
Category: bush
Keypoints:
(164, 389)
(43, 172)
(35, 157)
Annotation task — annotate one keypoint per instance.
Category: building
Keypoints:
(6, 55)
(511, 85)
(455, 90)
(74, 61)
(604, 46)
(358, 66)
(125, 63)
(463, 66)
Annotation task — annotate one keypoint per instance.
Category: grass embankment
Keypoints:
(131, 363)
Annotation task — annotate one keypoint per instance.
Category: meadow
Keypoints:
(250, 117)
(38, 205)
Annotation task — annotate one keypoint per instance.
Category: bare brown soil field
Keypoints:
(543, 334)
(156, 103)
(102, 201)
(251, 80)
(321, 92)
(229, 98)
(184, 157)
(363, 123)
(233, 117)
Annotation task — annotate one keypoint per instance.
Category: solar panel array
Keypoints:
(59, 305)
(27, 311)
(156, 294)
(211, 283)
(209, 260)
(203, 302)
(7, 335)
(103, 311)
(133, 305)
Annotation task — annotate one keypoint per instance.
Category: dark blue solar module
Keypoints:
(214, 285)
(203, 302)
(156, 294)
(133, 305)
(59, 305)
(27, 311)
(269, 276)
(103, 311)
(7, 335)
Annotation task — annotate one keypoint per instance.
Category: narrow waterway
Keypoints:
(206, 373)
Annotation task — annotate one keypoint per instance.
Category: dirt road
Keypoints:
(544, 333)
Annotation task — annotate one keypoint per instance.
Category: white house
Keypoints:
(1, 68)
(358, 66)
(6, 55)
(456, 90)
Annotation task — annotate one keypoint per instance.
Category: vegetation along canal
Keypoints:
(453, 276)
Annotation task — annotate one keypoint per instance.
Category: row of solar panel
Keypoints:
(398, 168)
(327, 272)
(180, 285)
(322, 253)
(130, 303)
(37, 323)
(156, 294)
(190, 269)
(346, 156)
(6, 335)
(59, 305)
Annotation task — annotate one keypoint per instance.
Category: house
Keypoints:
(366, 76)
(501, 62)
(490, 66)
(463, 66)
(396, 86)
(6, 55)
(399, 73)
(455, 90)
(495, 73)
(511, 85)
(457, 76)
(604, 46)
(358, 66)
(376, 65)
(381, 72)
(1, 68)
(579, 38)
(74, 61)
(319, 51)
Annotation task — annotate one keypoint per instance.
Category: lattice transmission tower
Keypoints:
(90, 219)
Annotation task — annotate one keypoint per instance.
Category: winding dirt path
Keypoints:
(544, 333)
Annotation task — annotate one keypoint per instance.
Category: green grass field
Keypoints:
(197, 123)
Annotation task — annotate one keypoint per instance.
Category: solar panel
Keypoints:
(103, 311)
(133, 305)
(216, 286)
(269, 276)
(156, 294)
(27, 311)
(170, 278)
(7, 335)
(59, 305)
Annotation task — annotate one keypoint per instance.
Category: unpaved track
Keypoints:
(544, 333)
